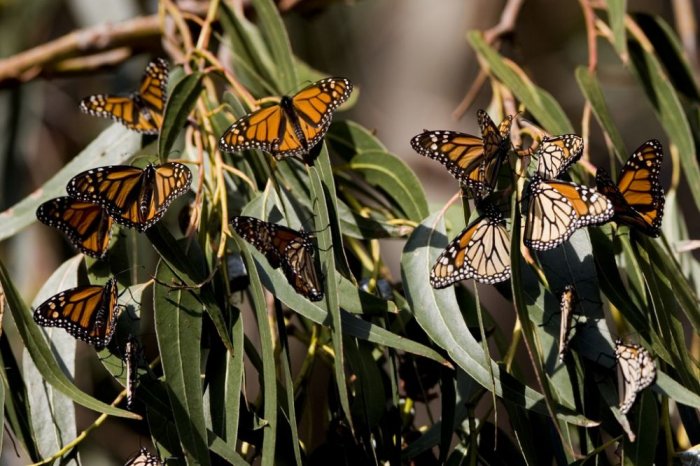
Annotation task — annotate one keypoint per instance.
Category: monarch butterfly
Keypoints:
(294, 125)
(142, 111)
(283, 247)
(481, 251)
(472, 160)
(557, 208)
(638, 197)
(144, 458)
(638, 370)
(556, 154)
(87, 225)
(89, 313)
(133, 197)
(131, 355)
(566, 308)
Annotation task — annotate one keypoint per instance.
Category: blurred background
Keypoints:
(409, 59)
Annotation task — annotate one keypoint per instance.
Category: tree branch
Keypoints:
(49, 57)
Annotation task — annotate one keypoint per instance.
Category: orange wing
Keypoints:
(86, 312)
(133, 197)
(638, 197)
(87, 225)
(557, 208)
(556, 154)
(141, 111)
(293, 126)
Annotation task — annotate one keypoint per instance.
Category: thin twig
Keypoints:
(589, 17)
(43, 59)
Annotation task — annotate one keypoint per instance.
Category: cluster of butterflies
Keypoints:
(636, 363)
(555, 208)
(138, 198)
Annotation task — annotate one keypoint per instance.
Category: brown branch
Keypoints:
(47, 58)
(589, 17)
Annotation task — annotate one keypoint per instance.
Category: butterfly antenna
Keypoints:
(183, 286)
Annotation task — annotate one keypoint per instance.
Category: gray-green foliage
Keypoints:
(370, 335)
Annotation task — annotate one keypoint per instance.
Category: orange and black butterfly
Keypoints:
(291, 127)
(283, 247)
(133, 197)
(556, 154)
(474, 161)
(638, 371)
(558, 208)
(637, 197)
(87, 225)
(481, 251)
(141, 111)
(144, 458)
(89, 313)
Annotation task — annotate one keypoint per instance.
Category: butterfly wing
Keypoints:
(495, 140)
(556, 154)
(286, 248)
(131, 356)
(144, 458)
(638, 197)
(133, 197)
(481, 251)
(298, 263)
(87, 225)
(557, 208)
(86, 312)
(143, 110)
(638, 371)
(460, 153)
(566, 309)
(266, 129)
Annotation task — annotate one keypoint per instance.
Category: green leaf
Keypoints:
(391, 174)
(269, 375)
(275, 35)
(183, 98)
(53, 414)
(616, 14)
(114, 145)
(590, 86)
(669, 110)
(539, 102)
(438, 313)
(42, 356)
(178, 322)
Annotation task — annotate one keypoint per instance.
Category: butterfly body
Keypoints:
(558, 208)
(87, 225)
(638, 371)
(637, 197)
(481, 251)
(474, 161)
(141, 111)
(133, 197)
(291, 127)
(87, 312)
(283, 247)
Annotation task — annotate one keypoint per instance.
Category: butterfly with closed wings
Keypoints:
(89, 313)
(474, 161)
(87, 225)
(481, 251)
(556, 209)
(133, 197)
(566, 309)
(141, 111)
(283, 247)
(637, 197)
(638, 371)
(291, 127)
(556, 154)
